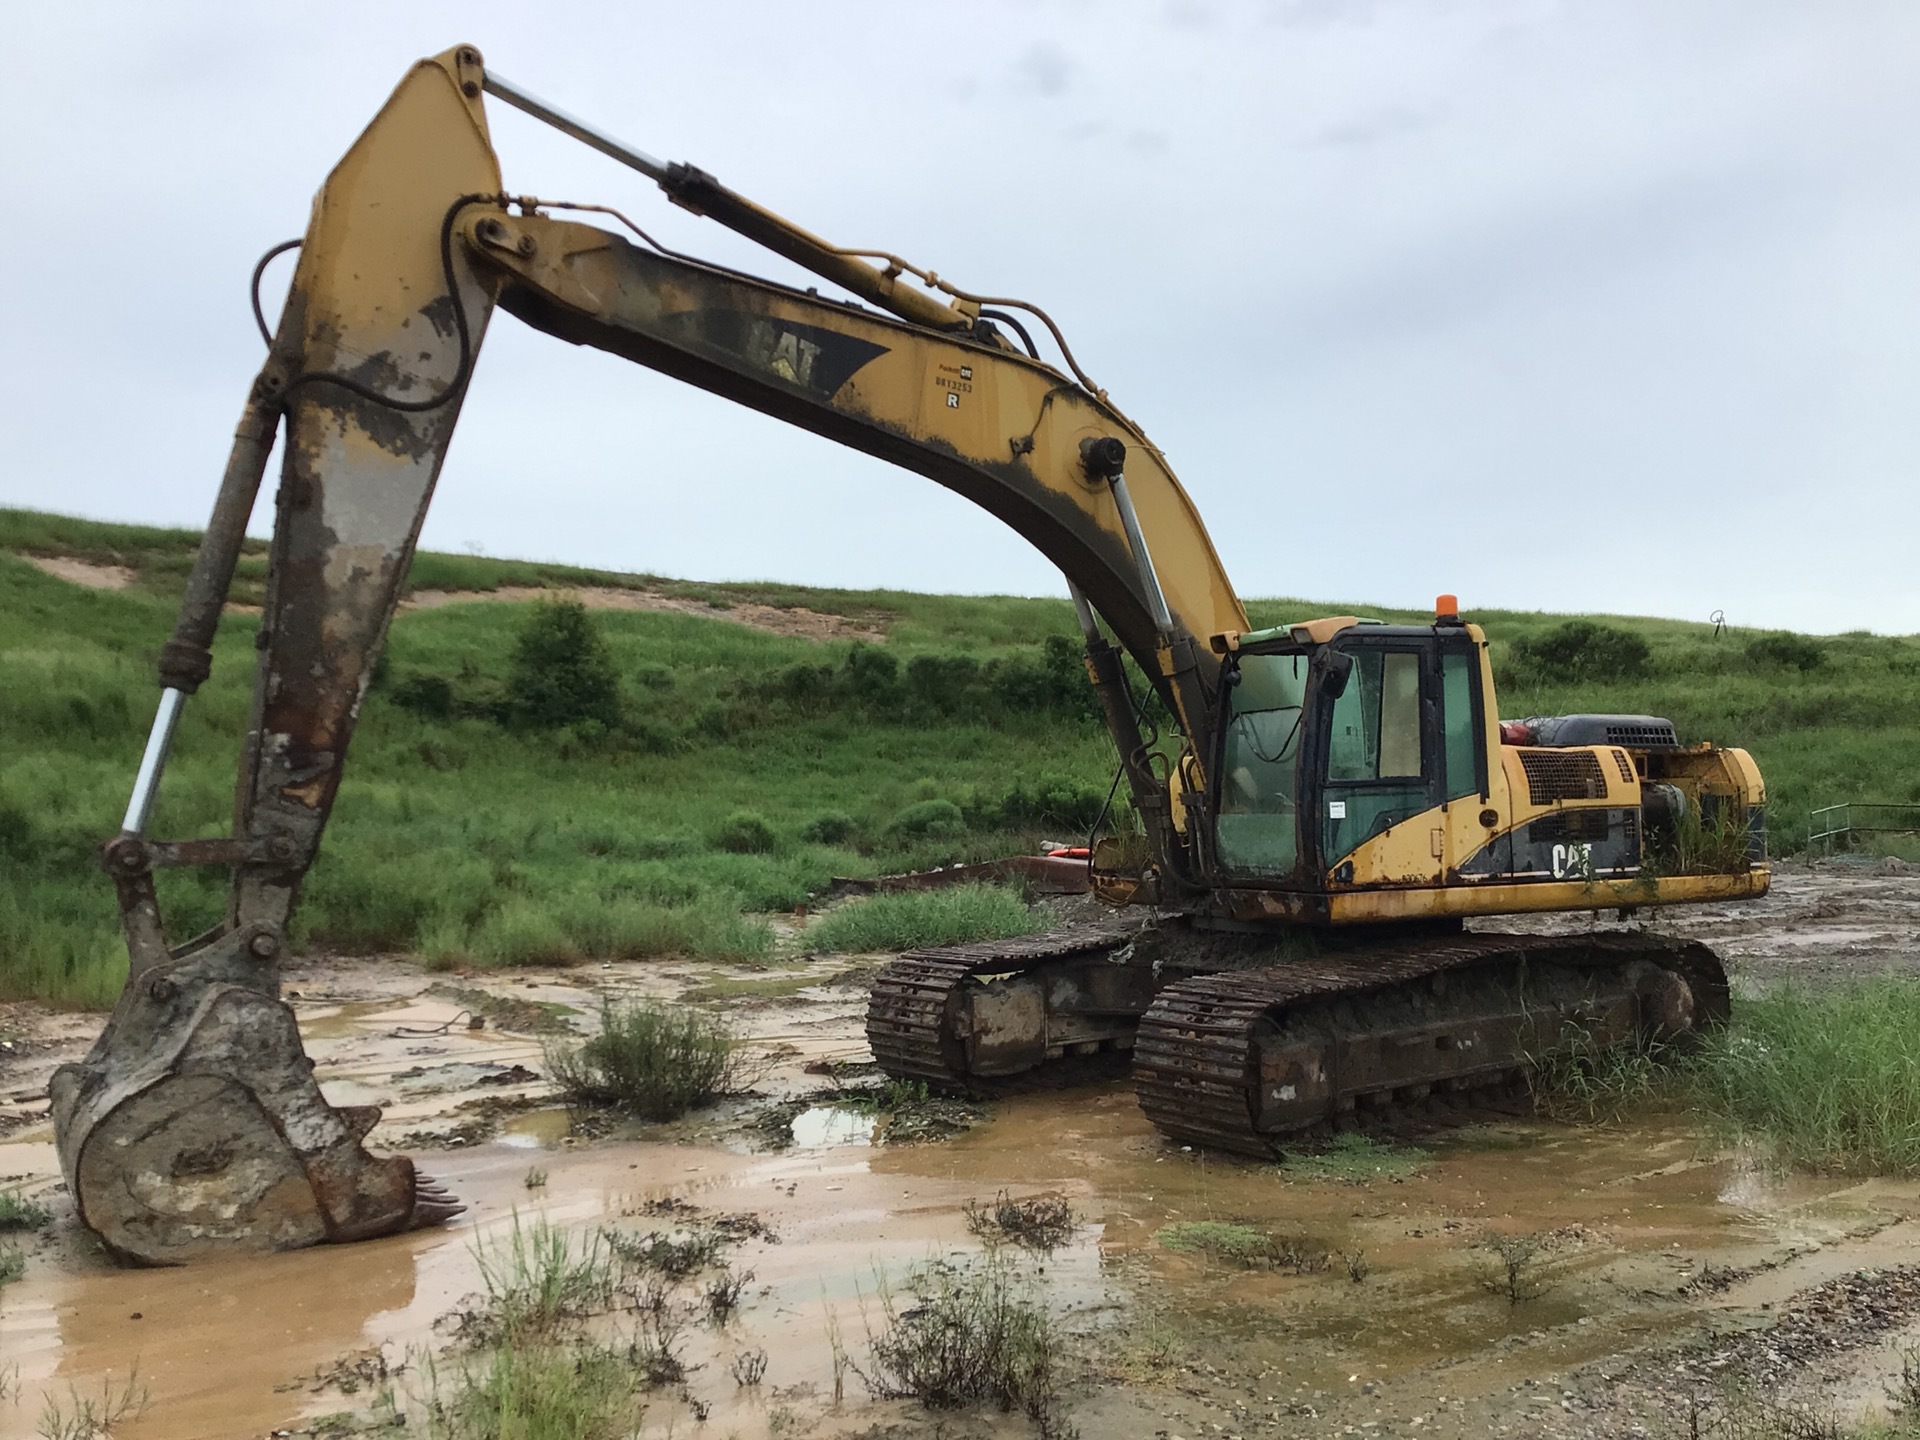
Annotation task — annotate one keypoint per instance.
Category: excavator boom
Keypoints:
(194, 1126)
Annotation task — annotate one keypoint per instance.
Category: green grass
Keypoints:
(580, 1391)
(651, 1059)
(1825, 1080)
(473, 842)
(1828, 1080)
(482, 843)
(770, 987)
(526, 1368)
(1353, 1159)
(908, 919)
(1243, 1245)
(19, 1213)
(541, 1282)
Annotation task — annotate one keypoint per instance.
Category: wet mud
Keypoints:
(1655, 1261)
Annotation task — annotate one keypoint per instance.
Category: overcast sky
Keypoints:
(1570, 306)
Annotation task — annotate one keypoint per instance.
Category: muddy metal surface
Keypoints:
(1666, 1264)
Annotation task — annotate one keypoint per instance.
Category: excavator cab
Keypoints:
(1331, 744)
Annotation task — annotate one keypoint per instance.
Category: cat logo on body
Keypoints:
(1573, 861)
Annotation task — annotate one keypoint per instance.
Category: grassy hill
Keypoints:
(742, 769)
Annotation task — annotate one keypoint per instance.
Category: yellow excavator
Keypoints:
(1332, 799)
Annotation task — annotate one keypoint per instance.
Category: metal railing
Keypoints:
(1835, 826)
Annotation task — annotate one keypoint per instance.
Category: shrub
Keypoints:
(834, 827)
(562, 671)
(651, 1059)
(746, 833)
(1041, 1222)
(929, 820)
(908, 919)
(941, 682)
(873, 675)
(1584, 650)
(972, 1334)
(1052, 802)
(428, 696)
(1787, 652)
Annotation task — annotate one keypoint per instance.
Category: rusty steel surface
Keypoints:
(915, 1010)
(193, 1128)
(1196, 1058)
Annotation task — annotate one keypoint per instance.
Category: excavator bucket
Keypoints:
(194, 1127)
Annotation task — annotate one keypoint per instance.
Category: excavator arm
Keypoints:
(195, 1127)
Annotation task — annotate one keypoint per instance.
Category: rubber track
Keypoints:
(907, 1007)
(1193, 1058)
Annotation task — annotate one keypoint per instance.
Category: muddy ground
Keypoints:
(1671, 1269)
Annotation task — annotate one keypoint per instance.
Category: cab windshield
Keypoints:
(1258, 825)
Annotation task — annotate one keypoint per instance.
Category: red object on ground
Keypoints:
(1069, 852)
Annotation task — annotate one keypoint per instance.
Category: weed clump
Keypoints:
(834, 827)
(1041, 1222)
(580, 1392)
(1581, 1079)
(749, 1368)
(539, 1281)
(745, 832)
(929, 820)
(1584, 650)
(676, 1257)
(17, 1212)
(972, 1334)
(651, 1059)
(85, 1418)
(1786, 651)
(13, 1264)
(1244, 1246)
(906, 920)
(1354, 1159)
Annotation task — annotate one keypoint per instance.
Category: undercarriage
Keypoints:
(1244, 1044)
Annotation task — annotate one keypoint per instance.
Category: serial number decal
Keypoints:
(955, 380)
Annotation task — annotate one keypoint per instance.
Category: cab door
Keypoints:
(1383, 758)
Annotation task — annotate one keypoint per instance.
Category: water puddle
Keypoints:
(825, 1127)
(537, 1129)
(1378, 1298)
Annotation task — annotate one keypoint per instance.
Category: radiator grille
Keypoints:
(1571, 825)
(1658, 736)
(1626, 766)
(1563, 775)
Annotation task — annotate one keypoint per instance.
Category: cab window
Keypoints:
(1376, 722)
(1377, 767)
(1260, 775)
(1460, 714)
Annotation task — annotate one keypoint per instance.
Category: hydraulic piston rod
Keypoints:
(694, 189)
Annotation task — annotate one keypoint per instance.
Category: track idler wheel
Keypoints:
(195, 1129)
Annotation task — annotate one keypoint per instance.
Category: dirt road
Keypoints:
(1665, 1266)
